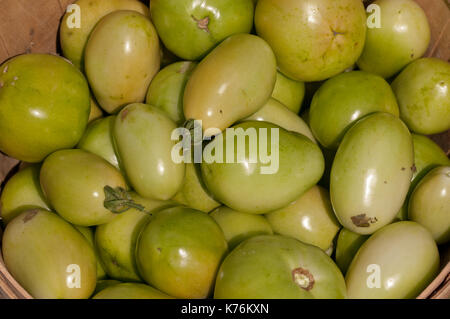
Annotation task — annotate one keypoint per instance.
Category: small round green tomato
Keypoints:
(309, 219)
(397, 262)
(130, 290)
(191, 28)
(22, 192)
(347, 246)
(312, 39)
(88, 233)
(116, 240)
(289, 92)
(237, 226)
(167, 89)
(429, 204)
(44, 253)
(98, 139)
(344, 99)
(402, 36)
(277, 267)
(44, 106)
(423, 94)
(179, 252)
(73, 181)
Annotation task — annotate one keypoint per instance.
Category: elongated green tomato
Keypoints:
(289, 92)
(429, 204)
(344, 99)
(251, 181)
(130, 290)
(371, 173)
(398, 34)
(193, 193)
(427, 155)
(122, 56)
(44, 106)
(179, 252)
(218, 95)
(398, 261)
(73, 182)
(116, 240)
(88, 233)
(312, 39)
(73, 37)
(423, 93)
(199, 26)
(309, 219)
(278, 114)
(347, 246)
(22, 192)
(277, 267)
(105, 283)
(237, 226)
(96, 111)
(142, 135)
(49, 257)
(98, 140)
(167, 89)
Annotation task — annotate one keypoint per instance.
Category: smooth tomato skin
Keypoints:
(40, 250)
(403, 37)
(130, 290)
(73, 182)
(312, 39)
(179, 252)
(407, 257)
(190, 29)
(347, 246)
(344, 99)
(271, 267)
(371, 173)
(429, 204)
(88, 233)
(423, 93)
(121, 58)
(44, 106)
(289, 92)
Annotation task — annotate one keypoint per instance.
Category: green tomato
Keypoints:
(427, 155)
(88, 233)
(429, 204)
(179, 252)
(277, 267)
(22, 192)
(218, 95)
(397, 262)
(44, 106)
(73, 39)
(130, 290)
(347, 246)
(371, 173)
(309, 219)
(252, 183)
(312, 39)
(344, 99)
(423, 94)
(48, 257)
(278, 114)
(142, 135)
(73, 182)
(116, 240)
(96, 111)
(402, 36)
(98, 139)
(122, 56)
(190, 29)
(289, 92)
(193, 193)
(167, 89)
(105, 283)
(237, 226)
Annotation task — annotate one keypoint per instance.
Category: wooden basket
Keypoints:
(32, 26)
